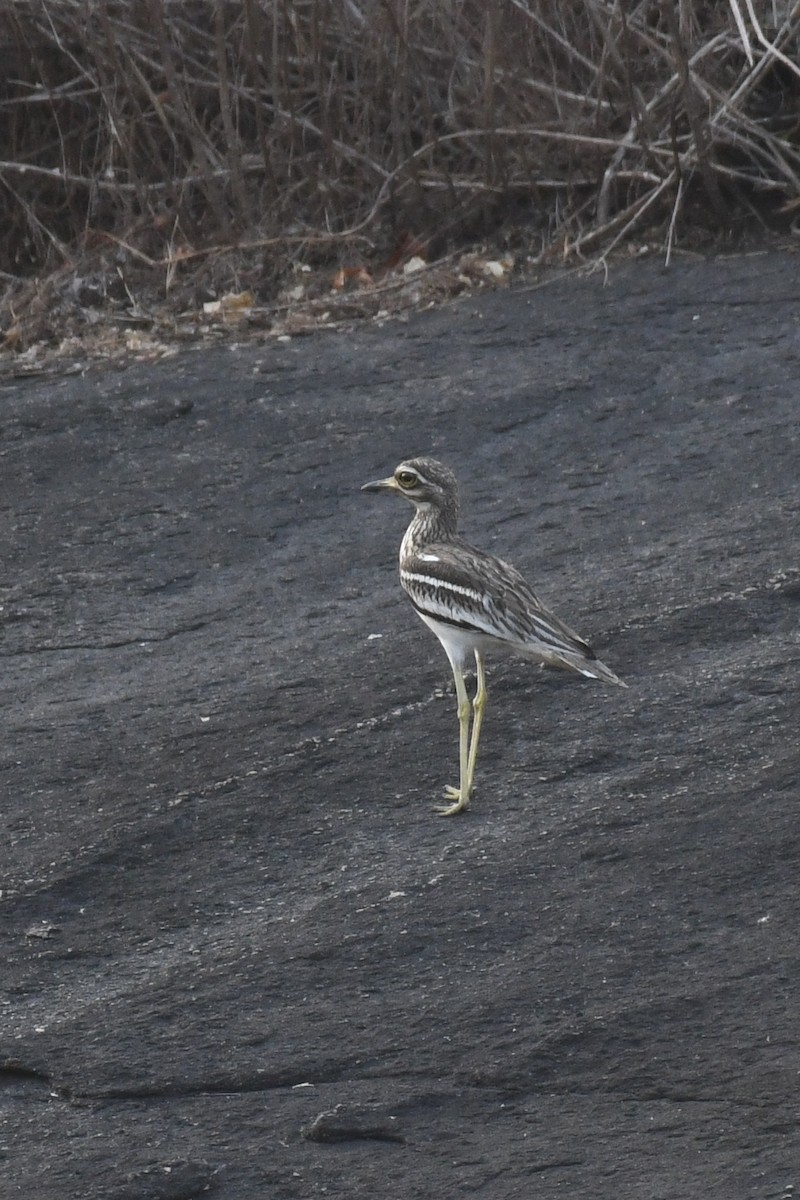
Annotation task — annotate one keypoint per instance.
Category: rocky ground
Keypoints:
(241, 953)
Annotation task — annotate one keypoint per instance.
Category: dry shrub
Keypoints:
(169, 129)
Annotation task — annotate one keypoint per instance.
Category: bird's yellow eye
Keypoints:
(406, 479)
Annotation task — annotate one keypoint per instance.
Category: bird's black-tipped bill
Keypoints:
(380, 485)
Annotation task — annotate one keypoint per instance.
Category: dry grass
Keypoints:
(163, 144)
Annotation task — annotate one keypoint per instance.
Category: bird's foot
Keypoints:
(458, 805)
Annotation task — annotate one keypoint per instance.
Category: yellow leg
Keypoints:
(478, 705)
(460, 795)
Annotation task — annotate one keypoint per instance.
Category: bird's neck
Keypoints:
(430, 524)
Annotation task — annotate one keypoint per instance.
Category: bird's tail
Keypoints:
(592, 668)
(585, 664)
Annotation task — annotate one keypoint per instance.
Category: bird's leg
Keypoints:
(478, 705)
(460, 795)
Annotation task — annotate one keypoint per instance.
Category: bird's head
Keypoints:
(424, 481)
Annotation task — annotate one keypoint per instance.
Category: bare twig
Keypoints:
(186, 132)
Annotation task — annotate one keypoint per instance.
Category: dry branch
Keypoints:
(176, 127)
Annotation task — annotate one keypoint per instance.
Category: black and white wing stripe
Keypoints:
(481, 594)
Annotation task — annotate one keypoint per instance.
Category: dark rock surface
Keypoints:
(230, 917)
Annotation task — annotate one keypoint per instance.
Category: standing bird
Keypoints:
(473, 602)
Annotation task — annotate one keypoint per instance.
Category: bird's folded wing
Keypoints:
(464, 587)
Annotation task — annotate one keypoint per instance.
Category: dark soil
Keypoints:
(241, 953)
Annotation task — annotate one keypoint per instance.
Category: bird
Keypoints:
(474, 603)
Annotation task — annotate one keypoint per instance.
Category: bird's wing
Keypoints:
(454, 582)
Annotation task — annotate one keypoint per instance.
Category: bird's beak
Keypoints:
(381, 485)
